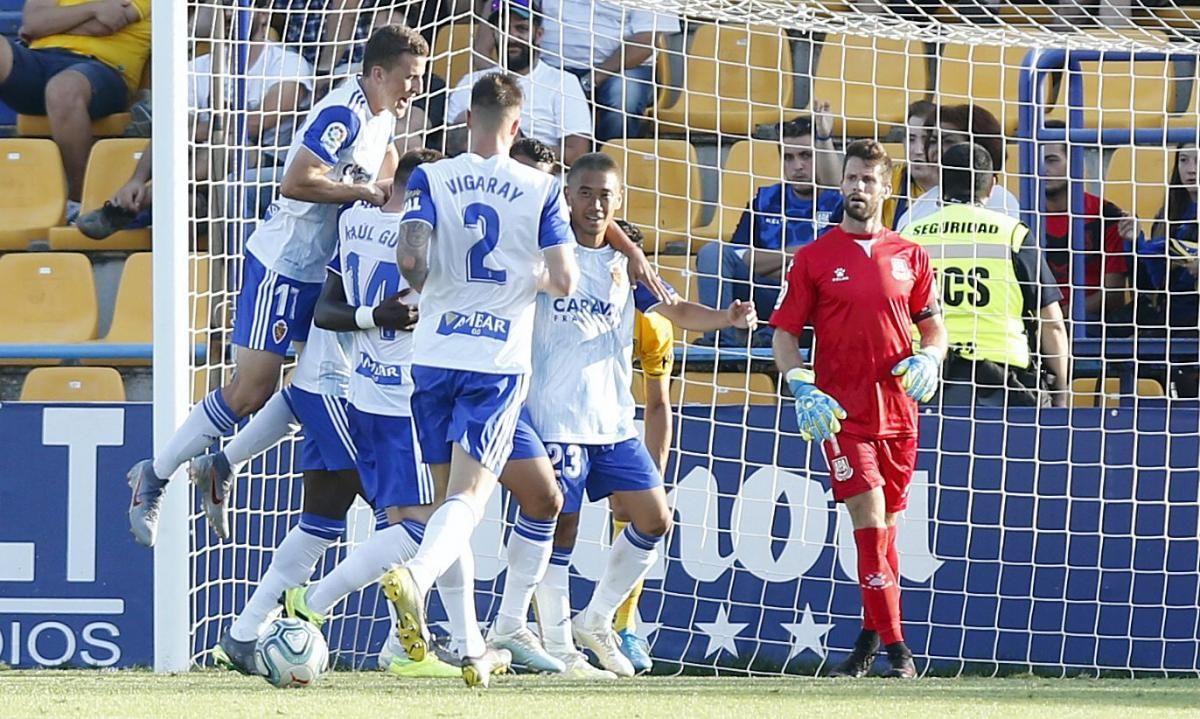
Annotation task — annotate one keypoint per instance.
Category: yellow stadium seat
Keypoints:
(1137, 179)
(1027, 14)
(662, 187)
(73, 384)
(1084, 392)
(724, 388)
(109, 166)
(735, 77)
(48, 298)
(38, 126)
(452, 57)
(870, 81)
(1119, 94)
(751, 164)
(983, 75)
(679, 271)
(33, 192)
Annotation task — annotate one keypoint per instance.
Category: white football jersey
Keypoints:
(381, 382)
(297, 238)
(583, 354)
(491, 219)
(323, 367)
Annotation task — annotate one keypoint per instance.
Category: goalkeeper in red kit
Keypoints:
(861, 287)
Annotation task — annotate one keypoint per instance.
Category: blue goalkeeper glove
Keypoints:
(919, 374)
(817, 414)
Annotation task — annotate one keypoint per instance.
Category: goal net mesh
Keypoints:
(1051, 539)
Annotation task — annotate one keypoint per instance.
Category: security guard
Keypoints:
(995, 287)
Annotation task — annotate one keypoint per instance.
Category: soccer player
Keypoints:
(582, 406)
(862, 287)
(481, 235)
(335, 158)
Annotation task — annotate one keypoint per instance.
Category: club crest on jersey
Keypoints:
(331, 140)
(840, 275)
(823, 218)
(842, 469)
(279, 331)
(476, 324)
(900, 269)
(618, 275)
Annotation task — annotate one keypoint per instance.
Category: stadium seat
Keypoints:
(38, 126)
(679, 271)
(109, 166)
(870, 81)
(751, 164)
(451, 53)
(33, 192)
(662, 187)
(48, 298)
(983, 75)
(735, 78)
(1085, 393)
(1137, 179)
(133, 316)
(1118, 94)
(724, 388)
(73, 384)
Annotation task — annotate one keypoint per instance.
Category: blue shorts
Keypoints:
(273, 311)
(526, 442)
(601, 469)
(476, 410)
(327, 445)
(25, 88)
(389, 468)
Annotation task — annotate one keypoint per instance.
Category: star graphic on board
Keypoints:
(807, 634)
(720, 634)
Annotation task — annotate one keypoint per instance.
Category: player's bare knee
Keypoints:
(543, 504)
(654, 526)
(246, 398)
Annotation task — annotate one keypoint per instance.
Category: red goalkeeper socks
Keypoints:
(877, 582)
(893, 560)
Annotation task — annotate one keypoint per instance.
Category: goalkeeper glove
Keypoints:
(817, 414)
(919, 374)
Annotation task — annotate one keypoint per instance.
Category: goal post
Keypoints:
(1055, 540)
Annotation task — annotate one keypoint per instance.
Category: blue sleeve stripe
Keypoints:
(645, 301)
(418, 200)
(554, 228)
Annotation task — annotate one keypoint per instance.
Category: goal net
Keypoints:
(1047, 538)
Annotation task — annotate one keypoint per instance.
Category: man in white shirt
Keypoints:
(610, 49)
(958, 124)
(555, 110)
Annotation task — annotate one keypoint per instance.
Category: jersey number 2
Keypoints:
(485, 218)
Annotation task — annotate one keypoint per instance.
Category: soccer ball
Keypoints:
(291, 653)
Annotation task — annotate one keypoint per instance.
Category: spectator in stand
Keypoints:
(278, 84)
(912, 178)
(1167, 262)
(956, 125)
(610, 49)
(83, 61)
(1105, 263)
(555, 109)
(779, 220)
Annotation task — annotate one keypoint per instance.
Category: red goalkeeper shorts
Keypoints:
(859, 465)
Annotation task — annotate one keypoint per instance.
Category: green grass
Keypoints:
(219, 695)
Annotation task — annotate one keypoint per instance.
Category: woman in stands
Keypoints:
(1168, 264)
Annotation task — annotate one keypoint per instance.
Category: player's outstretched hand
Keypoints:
(743, 315)
(919, 375)
(641, 272)
(396, 314)
(817, 414)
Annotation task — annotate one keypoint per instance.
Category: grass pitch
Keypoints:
(219, 695)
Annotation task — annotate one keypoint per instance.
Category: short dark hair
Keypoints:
(597, 161)
(967, 171)
(388, 43)
(798, 127)
(982, 127)
(533, 11)
(496, 94)
(924, 109)
(535, 150)
(633, 232)
(869, 151)
(410, 160)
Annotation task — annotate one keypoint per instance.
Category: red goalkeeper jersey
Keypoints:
(861, 305)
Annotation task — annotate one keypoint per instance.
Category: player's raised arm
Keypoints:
(558, 247)
(698, 318)
(416, 230)
(307, 177)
